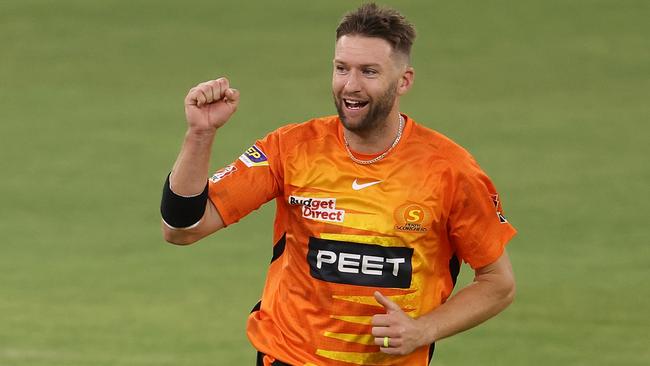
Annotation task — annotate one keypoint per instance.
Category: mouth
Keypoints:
(354, 104)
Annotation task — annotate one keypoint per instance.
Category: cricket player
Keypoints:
(375, 213)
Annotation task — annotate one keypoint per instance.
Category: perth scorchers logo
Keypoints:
(412, 217)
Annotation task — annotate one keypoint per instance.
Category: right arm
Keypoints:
(208, 106)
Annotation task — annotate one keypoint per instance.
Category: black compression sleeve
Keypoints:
(182, 212)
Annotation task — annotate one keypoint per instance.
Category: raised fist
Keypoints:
(209, 105)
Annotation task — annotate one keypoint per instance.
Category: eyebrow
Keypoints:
(362, 65)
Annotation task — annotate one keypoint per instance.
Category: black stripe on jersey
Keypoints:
(432, 347)
(278, 248)
(454, 268)
(260, 361)
(257, 307)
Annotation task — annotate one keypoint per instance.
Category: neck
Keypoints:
(376, 141)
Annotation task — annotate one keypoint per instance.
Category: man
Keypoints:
(374, 213)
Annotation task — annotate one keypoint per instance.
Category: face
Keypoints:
(367, 79)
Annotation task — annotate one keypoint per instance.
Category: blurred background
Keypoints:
(550, 96)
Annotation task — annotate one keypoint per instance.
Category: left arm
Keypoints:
(491, 292)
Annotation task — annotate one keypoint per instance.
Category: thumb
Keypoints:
(386, 302)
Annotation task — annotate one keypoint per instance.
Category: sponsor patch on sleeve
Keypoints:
(222, 173)
(499, 209)
(254, 157)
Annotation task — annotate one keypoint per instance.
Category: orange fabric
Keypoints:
(410, 214)
(268, 360)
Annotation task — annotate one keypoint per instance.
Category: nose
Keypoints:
(352, 83)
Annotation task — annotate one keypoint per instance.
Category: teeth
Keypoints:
(354, 104)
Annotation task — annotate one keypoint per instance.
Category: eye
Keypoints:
(370, 72)
(339, 69)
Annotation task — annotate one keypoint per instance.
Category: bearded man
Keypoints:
(375, 213)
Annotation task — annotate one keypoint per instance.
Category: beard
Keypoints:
(378, 111)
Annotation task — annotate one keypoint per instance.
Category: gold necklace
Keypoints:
(382, 155)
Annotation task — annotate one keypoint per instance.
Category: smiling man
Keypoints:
(375, 213)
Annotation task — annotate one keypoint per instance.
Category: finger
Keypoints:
(201, 98)
(224, 83)
(215, 89)
(206, 89)
(190, 98)
(381, 332)
(219, 87)
(232, 96)
(380, 320)
(386, 302)
(392, 342)
(212, 96)
(195, 97)
(391, 350)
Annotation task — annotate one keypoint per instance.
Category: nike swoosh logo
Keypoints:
(356, 186)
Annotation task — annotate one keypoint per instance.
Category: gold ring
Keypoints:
(386, 339)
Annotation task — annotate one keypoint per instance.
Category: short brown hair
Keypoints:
(388, 24)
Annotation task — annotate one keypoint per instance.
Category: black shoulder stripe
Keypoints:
(257, 307)
(278, 248)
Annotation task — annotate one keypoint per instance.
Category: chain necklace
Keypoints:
(382, 155)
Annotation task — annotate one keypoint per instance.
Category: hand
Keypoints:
(403, 331)
(209, 105)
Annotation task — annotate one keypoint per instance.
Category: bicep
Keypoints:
(501, 266)
(499, 273)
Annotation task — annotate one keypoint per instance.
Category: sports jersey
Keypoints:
(343, 230)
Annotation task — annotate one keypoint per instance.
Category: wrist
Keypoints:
(429, 329)
(196, 133)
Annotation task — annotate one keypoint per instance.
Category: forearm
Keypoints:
(188, 178)
(490, 293)
(187, 213)
(470, 307)
(190, 170)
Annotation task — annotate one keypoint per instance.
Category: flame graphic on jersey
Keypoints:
(369, 353)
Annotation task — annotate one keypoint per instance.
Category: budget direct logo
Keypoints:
(412, 217)
(319, 209)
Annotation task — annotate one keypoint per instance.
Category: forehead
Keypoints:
(362, 50)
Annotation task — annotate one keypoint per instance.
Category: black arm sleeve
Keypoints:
(182, 212)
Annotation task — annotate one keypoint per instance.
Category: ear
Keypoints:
(406, 80)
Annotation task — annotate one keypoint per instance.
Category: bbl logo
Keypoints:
(412, 217)
(222, 173)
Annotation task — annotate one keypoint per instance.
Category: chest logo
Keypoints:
(357, 187)
(412, 217)
(360, 264)
(318, 209)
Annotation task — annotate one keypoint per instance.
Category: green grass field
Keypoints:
(550, 96)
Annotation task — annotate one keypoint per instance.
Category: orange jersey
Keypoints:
(343, 230)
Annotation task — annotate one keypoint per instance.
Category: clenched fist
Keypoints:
(209, 105)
